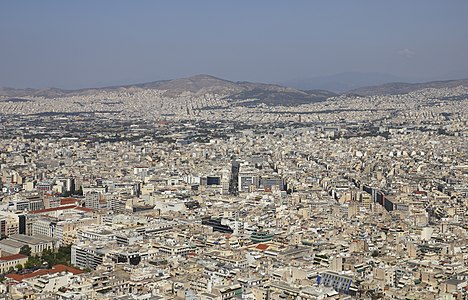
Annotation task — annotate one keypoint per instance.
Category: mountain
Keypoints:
(343, 82)
(243, 92)
(47, 92)
(405, 88)
(238, 93)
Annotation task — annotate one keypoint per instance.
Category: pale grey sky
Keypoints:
(73, 44)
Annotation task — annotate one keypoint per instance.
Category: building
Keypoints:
(45, 186)
(340, 282)
(11, 261)
(30, 203)
(37, 243)
(56, 269)
(92, 200)
(9, 224)
(86, 256)
(44, 226)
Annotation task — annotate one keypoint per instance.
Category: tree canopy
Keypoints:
(25, 250)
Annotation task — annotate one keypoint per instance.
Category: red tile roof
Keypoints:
(41, 272)
(61, 268)
(13, 257)
(39, 211)
(85, 209)
(68, 201)
(262, 247)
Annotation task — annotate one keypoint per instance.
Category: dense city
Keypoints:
(132, 193)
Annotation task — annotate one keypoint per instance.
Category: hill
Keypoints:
(239, 93)
(396, 88)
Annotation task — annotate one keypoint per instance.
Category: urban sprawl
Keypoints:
(131, 193)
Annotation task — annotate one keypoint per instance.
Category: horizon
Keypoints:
(110, 43)
(219, 78)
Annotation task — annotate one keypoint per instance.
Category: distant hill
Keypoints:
(245, 93)
(343, 82)
(239, 93)
(396, 88)
(47, 92)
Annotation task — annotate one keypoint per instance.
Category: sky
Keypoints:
(77, 44)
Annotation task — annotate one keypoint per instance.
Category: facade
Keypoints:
(92, 199)
(86, 256)
(37, 243)
(341, 283)
(9, 224)
(44, 226)
(10, 262)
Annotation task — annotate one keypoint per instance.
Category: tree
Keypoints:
(25, 250)
(67, 194)
(62, 256)
(48, 257)
(33, 261)
(19, 267)
(375, 253)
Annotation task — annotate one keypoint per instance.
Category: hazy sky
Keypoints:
(72, 44)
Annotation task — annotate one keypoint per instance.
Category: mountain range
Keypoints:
(246, 93)
(343, 82)
(396, 88)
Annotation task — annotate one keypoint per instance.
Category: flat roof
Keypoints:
(33, 240)
(11, 243)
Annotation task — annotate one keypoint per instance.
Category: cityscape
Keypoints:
(206, 188)
(363, 196)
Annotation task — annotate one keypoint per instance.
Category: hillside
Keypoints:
(240, 93)
(396, 88)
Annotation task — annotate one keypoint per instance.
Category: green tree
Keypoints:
(67, 194)
(19, 267)
(62, 256)
(33, 261)
(25, 250)
(48, 257)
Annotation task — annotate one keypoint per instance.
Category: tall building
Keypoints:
(9, 224)
(92, 200)
(366, 200)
